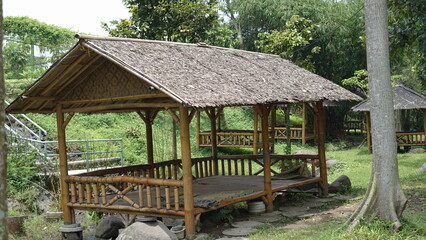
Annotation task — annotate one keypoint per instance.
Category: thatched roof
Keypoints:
(403, 98)
(133, 73)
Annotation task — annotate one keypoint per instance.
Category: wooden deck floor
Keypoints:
(225, 190)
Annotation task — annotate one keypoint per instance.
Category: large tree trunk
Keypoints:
(384, 198)
(3, 146)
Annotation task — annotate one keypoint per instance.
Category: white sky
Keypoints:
(83, 16)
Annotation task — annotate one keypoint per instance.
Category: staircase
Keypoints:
(27, 137)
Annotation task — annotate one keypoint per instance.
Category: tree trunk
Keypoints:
(3, 146)
(384, 198)
(235, 22)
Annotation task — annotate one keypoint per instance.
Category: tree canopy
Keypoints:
(180, 21)
(22, 34)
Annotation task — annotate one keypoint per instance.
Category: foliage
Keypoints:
(37, 228)
(408, 36)
(359, 81)
(21, 165)
(289, 43)
(179, 21)
(22, 34)
(222, 35)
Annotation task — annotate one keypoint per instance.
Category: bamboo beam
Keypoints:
(255, 131)
(197, 130)
(75, 75)
(303, 123)
(120, 106)
(173, 114)
(192, 114)
(124, 98)
(266, 157)
(38, 98)
(321, 149)
(187, 172)
(69, 217)
(69, 117)
(59, 78)
(80, 80)
(368, 120)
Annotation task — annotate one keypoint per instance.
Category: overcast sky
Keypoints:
(83, 16)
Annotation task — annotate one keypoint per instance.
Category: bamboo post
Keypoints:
(187, 172)
(149, 142)
(213, 117)
(273, 123)
(424, 125)
(255, 132)
(321, 149)
(287, 129)
(174, 143)
(303, 123)
(197, 130)
(69, 217)
(368, 131)
(266, 157)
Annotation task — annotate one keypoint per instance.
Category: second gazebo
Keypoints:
(403, 99)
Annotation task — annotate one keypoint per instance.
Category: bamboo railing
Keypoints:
(226, 138)
(251, 164)
(246, 138)
(296, 133)
(130, 188)
(354, 126)
(410, 138)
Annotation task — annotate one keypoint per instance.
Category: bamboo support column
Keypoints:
(303, 123)
(424, 124)
(174, 143)
(255, 132)
(149, 142)
(213, 130)
(273, 123)
(287, 129)
(69, 217)
(197, 130)
(368, 120)
(264, 109)
(321, 149)
(187, 172)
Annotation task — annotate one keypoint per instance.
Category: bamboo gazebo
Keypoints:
(403, 99)
(251, 138)
(114, 75)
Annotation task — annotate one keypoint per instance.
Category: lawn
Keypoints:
(356, 163)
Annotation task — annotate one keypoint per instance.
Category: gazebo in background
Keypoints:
(251, 138)
(403, 99)
(115, 75)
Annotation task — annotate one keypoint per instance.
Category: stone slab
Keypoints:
(238, 232)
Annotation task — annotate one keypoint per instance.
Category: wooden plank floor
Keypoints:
(249, 187)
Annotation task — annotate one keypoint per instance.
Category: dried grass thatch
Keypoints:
(127, 74)
(403, 98)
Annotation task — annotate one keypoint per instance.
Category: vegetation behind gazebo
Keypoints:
(102, 75)
(403, 99)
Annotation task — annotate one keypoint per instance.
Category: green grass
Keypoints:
(356, 163)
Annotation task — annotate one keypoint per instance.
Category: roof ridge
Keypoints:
(200, 44)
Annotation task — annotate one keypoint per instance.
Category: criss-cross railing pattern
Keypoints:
(410, 138)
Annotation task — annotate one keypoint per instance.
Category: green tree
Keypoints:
(291, 43)
(22, 34)
(408, 40)
(3, 146)
(179, 21)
